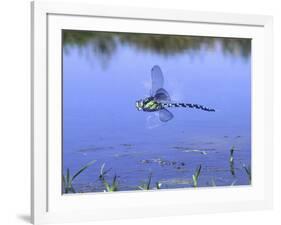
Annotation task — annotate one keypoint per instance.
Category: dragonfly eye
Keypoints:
(139, 105)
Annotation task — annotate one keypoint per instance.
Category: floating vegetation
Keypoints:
(68, 179)
(151, 161)
(113, 186)
(209, 143)
(188, 149)
(162, 162)
(127, 145)
(93, 149)
(108, 183)
(195, 150)
(196, 175)
(181, 148)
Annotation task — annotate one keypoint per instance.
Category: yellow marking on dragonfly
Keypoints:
(150, 104)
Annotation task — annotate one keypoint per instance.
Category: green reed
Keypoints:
(67, 180)
(146, 185)
(231, 158)
(231, 161)
(108, 187)
(103, 172)
(111, 187)
(196, 175)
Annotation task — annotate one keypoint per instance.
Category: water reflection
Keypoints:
(105, 44)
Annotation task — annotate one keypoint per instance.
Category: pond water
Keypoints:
(102, 79)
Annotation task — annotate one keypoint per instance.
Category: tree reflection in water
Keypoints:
(104, 44)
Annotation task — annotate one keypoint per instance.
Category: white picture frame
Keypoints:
(48, 205)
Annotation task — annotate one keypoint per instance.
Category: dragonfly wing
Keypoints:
(157, 79)
(165, 115)
(152, 121)
(162, 95)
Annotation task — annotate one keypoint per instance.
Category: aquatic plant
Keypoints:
(67, 180)
(196, 175)
(158, 185)
(213, 183)
(231, 158)
(103, 172)
(146, 186)
(248, 171)
(196, 150)
(232, 169)
(111, 187)
(108, 187)
(231, 161)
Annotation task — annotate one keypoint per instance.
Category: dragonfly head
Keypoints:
(139, 105)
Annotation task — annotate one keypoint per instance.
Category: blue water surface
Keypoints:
(100, 120)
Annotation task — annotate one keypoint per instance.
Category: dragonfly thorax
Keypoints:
(148, 104)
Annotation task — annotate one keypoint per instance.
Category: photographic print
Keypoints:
(154, 111)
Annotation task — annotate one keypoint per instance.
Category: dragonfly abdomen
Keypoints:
(187, 105)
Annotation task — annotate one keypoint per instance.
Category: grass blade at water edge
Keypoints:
(196, 175)
(83, 168)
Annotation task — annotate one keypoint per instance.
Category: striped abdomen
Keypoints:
(187, 105)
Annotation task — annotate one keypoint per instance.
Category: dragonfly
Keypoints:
(160, 101)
